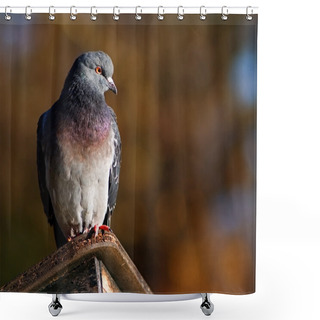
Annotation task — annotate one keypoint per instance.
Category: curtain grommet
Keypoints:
(7, 10)
(93, 15)
(28, 13)
(180, 15)
(203, 13)
(116, 13)
(249, 12)
(160, 14)
(138, 16)
(52, 11)
(73, 13)
(224, 13)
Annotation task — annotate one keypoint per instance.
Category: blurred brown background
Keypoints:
(186, 108)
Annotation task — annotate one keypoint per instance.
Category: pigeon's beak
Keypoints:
(111, 85)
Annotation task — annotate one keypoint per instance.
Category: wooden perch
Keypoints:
(98, 264)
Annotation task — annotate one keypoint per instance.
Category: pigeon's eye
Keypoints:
(98, 70)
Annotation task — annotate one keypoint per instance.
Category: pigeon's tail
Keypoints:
(58, 235)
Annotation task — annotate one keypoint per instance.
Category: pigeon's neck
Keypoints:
(86, 115)
(81, 92)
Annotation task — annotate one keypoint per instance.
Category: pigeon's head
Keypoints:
(93, 70)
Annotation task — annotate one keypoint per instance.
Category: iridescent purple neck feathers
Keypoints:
(86, 124)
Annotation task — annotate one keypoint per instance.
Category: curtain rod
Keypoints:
(118, 10)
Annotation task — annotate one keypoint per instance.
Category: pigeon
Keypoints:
(79, 151)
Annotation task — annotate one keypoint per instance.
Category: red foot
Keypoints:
(105, 228)
(95, 230)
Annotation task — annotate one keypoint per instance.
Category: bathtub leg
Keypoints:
(55, 306)
(206, 305)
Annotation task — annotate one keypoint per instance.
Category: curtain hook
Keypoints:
(224, 13)
(138, 15)
(93, 16)
(116, 15)
(7, 10)
(160, 15)
(203, 13)
(73, 13)
(52, 11)
(180, 13)
(28, 12)
(249, 14)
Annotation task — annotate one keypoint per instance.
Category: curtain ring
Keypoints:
(160, 15)
(73, 13)
(7, 10)
(203, 13)
(224, 13)
(180, 13)
(138, 15)
(249, 13)
(116, 15)
(93, 16)
(52, 11)
(28, 13)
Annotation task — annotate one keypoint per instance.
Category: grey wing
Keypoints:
(114, 171)
(44, 193)
(43, 134)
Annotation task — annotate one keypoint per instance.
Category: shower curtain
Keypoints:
(186, 114)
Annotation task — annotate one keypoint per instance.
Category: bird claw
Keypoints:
(96, 228)
(86, 230)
